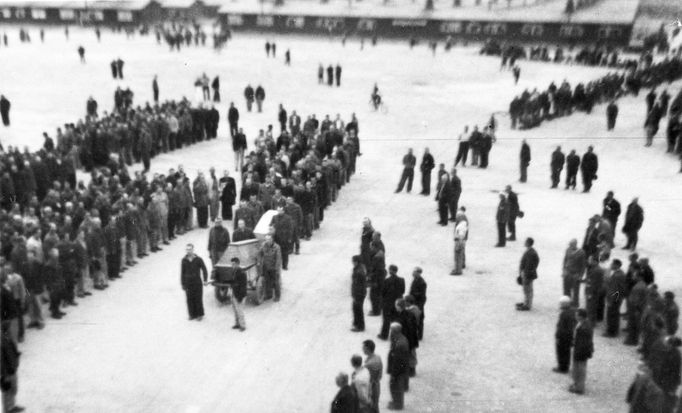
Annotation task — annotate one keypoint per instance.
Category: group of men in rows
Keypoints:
(531, 108)
(402, 323)
(177, 34)
(130, 134)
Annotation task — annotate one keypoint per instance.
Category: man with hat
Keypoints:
(238, 295)
(564, 335)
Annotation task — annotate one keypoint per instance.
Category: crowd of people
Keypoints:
(402, 324)
(62, 238)
(530, 109)
(652, 317)
(177, 35)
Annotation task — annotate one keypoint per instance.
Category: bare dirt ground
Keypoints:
(131, 348)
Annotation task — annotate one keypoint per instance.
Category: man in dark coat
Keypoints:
(589, 166)
(345, 400)
(634, 218)
(455, 193)
(238, 295)
(611, 115)
(528, 272)
(282, 117)
(228, 195)
(502, 217)
(337, 74)
(616, 286)
(524, 161)
(393, 288)
(572, 166)
(260, 97)
(556, 165)
(583, 348)
(650, 99)
(443, 195)
(611, 210)
(192, 269)
(358, 292)
(409, 161)
(376, 276)
(637, 299)
(564, 335)
(155, 89)
(418, 292)
(249, 96)
(9, 367)
(4, 109)
(284, 234)
(233, 119)
(514, 212)
(330, 75)
(398, 366)
(426, 167)
(218, 241)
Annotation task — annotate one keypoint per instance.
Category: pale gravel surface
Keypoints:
(131, 348)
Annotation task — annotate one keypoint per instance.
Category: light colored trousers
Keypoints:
(238, 311)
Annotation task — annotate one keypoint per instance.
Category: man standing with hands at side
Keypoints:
(358, 293)
(393, 288)
(238, 294)
(426, 167)
(409, 161)
(192, 269)
(524, 160)
(233, 120)
(528, 272)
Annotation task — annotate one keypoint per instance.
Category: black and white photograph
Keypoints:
(345, 206)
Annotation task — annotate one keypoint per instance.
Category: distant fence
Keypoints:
(615, 34)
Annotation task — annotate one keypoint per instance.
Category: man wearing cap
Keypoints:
(393, 288)
(218, 241)
(238, 295)
(564, 335)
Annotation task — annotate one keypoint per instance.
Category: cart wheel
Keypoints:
(259, 297)
(222, 294)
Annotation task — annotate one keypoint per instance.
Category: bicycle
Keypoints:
(381, 106)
